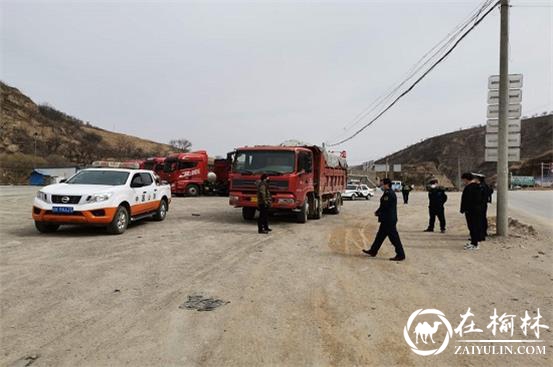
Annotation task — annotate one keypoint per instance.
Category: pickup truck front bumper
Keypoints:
(82, 214)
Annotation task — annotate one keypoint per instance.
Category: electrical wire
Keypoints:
(419, 65)
(420, 78)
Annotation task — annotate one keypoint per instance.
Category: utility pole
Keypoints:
(502, 134)
(542, 174)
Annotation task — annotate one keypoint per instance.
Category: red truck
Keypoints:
(154, 164)
(304, 179)
(196, 173)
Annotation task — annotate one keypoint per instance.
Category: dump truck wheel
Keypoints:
(248, 213)
(192, 190)
(318, 209)
(337, 205)
(302, 214)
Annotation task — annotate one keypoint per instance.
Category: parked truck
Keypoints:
(304, 179)
(154, 164)
(196, 173)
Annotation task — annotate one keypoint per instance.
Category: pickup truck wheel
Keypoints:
(248, 213)
(192, 190)
(161, 212)
(120, 221)
(368, 197)
(302, 214)
(43, 227)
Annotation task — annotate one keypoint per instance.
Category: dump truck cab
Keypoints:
(300, 182)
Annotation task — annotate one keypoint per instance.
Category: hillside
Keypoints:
(60, 139)
(438, 156)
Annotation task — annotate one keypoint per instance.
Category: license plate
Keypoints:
(254, 199)
(62, 209)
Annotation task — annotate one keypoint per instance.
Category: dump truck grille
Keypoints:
(251, 185)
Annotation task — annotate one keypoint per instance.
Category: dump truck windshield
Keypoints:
(262, 161)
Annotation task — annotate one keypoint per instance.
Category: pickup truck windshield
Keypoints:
(113, 178)
(263, 161)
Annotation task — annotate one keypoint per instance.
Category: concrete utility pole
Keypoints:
(502, 134)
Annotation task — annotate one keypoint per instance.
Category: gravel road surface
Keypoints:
(303, 295)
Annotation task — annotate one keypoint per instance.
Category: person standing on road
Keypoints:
(436, 200)
(387, 216)
(263, 204)
(487, 193)
(471, 206)
(405, 190)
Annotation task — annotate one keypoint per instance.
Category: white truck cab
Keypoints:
(108, 197)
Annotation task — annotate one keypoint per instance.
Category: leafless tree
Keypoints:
(183, 145)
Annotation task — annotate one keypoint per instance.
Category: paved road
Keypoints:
(538, 203)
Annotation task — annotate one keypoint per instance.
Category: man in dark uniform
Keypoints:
(405, 190)
(436, 200)
(387, 216)
(487, 193)
(263, 204)
(471, 206)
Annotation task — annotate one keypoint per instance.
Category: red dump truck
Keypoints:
(304, 179)
(154, 164)
(196, 173)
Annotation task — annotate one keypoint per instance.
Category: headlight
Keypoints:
(42, 196)
(286, 201)
(96, 198)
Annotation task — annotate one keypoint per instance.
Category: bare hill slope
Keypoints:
(61, 136)
(442, 152)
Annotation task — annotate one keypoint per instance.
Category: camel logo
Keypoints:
(424, 332)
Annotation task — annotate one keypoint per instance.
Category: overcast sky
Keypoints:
(228, 74)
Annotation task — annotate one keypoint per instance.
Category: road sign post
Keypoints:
(502, 222)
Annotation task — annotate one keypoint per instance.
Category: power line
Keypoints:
(445, 42)
(476, 23)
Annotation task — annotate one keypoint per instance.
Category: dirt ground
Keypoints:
(303, 295)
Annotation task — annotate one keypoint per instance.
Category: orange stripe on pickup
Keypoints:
(144, 207)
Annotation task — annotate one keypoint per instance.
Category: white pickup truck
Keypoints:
(102, 197)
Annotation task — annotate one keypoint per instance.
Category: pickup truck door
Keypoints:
(151, 191)
(140, 204)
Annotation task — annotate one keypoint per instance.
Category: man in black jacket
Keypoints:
(263, 204)
(405, 190)
(487, 193)
(436, 200)
(387, 216)
(471, 206)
